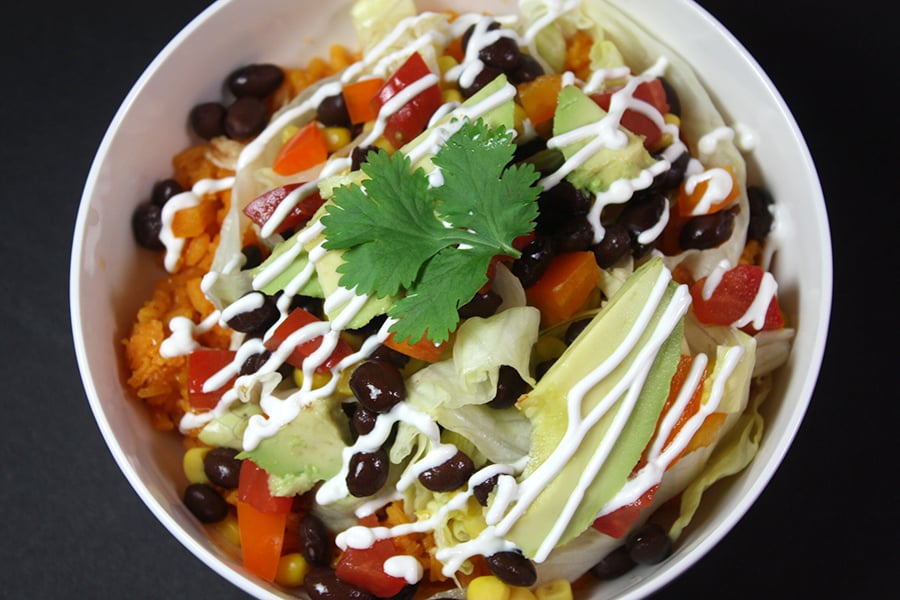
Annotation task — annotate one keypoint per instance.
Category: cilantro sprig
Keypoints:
(430, 247)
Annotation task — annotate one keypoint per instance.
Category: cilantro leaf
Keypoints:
(431, 246)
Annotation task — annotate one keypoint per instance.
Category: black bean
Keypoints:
(674, 175)
(615, 244)
(449, 475)
(314, 306)
(575, 235)
(672, 98)
(163, 190)
(359, 155)
(254, 362)
(642, 212)
(649, 544)
(368, 472)
(481, 305)
(222, 468)
(614, 564)
(257, 80)
(483, 490)
(323, 584)
(512, 568)
(574, 330)
(407, 593)
(332, 112)
(542, 367)
(378, 385)
(364, 420)
(207, 119)
(527, 70)
(253, 257)
(502, 54)
(761, 216)
(564, 199)
(707, 231)
(245, 118)
(259, 319)
(386, 354)
(370, 328)
(146, 224)
(205, 503)
(467, 34)
(315, 541)
(487, 75)
(533, 262)
(510, 386)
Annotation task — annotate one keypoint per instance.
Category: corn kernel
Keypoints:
(192, 464)
(292, 570)
(228, 527)
(558, 589)
(451, 95)
(548, 348)
(288, 132)
(445, 63)
(319, 379)
(672, 119)
(521, 593)
(336, 137)
(487, 587)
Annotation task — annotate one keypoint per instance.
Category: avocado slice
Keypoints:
(556, 482)
(306, 450)
(576, 109)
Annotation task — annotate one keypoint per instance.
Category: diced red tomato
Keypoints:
(297, 319)
(410, 120)
(303, 150)
(262, 538)
(617, 523)
(203, 364)
(260, 210)
(732, 297)
(253, 488)
(651, 92)
(364, 568)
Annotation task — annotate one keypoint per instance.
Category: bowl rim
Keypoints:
(798, 405)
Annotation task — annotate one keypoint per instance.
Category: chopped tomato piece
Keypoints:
(617, 523)
(411, 118)
(297, 319)
(253, 488)
(364, 568)
(303, 150)
(203, 364)
(260, 210)
(634, 121)
(733, 297)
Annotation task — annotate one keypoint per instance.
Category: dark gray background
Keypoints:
(72, 527)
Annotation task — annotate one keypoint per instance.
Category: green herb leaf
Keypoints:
(431, 246)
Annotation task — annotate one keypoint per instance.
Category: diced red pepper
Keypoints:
(732, 297)
(297, 319)
(617, 523)
(303, 150)
(412, 118)
(203, 364)
(364, 568)
(260, 210)
(651, 92)
(253, 488)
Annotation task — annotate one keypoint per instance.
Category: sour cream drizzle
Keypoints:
(187, 199)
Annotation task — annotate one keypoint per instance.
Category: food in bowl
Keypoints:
(483, 305)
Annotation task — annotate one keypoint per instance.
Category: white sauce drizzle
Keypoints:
(719, 184)
(186, 199)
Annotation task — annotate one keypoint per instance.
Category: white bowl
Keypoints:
(110, 277)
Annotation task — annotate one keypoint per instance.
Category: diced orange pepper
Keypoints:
(688, 202)
(539, 97)
(262, 537)
(303, 150)
(424, 349)
(455, 49)
(578, 55)
(358, 96)
(565, 286)
(707, 433)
